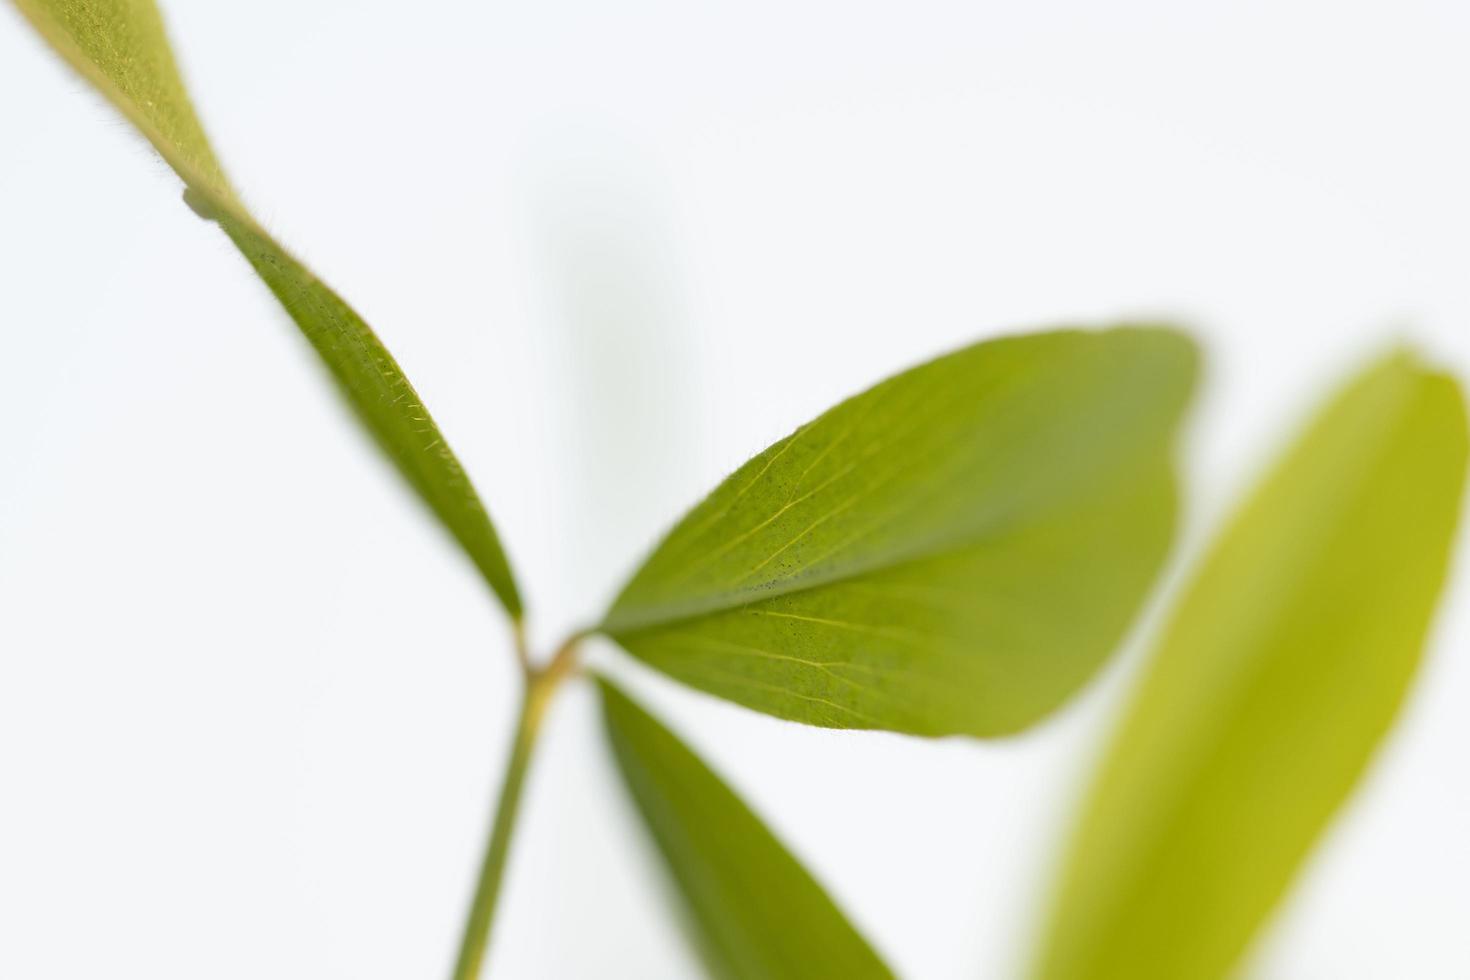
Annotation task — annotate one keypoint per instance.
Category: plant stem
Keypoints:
(540, 686)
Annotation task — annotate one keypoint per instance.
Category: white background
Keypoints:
(253, 704)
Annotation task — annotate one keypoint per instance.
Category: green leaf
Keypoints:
(386, 403)
(955, 550)
(1279, 672)
(754, 911)
(121, 48)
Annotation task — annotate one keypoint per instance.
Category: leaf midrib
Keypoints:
(660, 616)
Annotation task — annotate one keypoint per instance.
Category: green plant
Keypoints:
(955, 551)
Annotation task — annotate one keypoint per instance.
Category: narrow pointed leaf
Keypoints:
(383, 399)
(955, 550)
(121, 48)
(1279, 672)
(753, 910)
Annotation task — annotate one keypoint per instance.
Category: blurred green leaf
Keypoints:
(121, 48)
(754, 911)
(955, 550)
(1280, 671)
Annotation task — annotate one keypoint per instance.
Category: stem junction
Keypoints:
(541, 683)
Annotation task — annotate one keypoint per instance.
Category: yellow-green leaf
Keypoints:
(1278, 673)
(955, 550)
(121, 48)
(753, 910)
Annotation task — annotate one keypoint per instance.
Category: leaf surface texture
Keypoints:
(953, 551)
